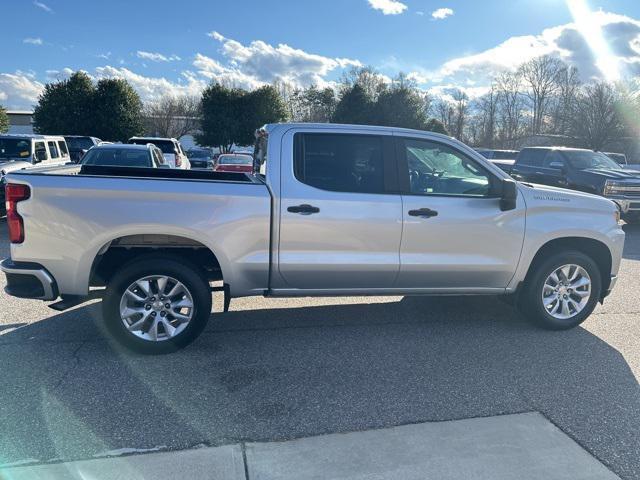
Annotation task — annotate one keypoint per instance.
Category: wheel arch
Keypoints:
(126, 248)
(595, 249)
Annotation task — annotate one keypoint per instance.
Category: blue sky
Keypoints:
(161, 48)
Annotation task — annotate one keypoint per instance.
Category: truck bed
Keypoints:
(75, 212)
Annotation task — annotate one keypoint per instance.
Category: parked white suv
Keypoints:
(172, 151)
(18, 152)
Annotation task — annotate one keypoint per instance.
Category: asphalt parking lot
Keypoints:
(281, 369)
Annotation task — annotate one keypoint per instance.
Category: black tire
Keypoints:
(531, 304)
(189, 275)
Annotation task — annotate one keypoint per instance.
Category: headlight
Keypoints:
(612, 188)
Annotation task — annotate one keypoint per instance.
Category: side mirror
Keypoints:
(509, 195)
(557, 166)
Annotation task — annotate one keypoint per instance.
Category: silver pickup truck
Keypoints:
(337, 210)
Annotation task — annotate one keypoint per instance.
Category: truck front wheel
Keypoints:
(156, 305)
(561, 291)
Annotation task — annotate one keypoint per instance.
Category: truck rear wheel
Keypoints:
(561, 291)
(156, 305)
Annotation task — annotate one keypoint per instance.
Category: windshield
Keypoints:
(117, 157)
(583, 160)
(15, 148)
(235, 160)
(166, 146)
(82, 143)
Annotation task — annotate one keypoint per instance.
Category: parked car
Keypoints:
(234, 162)
(342, 209)
(504, 159)
(171, 149)
(19, 152)
(124, 155)
(79, 144)
(583, 170)
(202, 158)
(621, 159)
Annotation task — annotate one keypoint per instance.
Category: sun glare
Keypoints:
(591, 30)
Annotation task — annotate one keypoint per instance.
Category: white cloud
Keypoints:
(33, 41)
(153, 87)
(104, 56)
(43, 6)
(156, 57)
(441, 13)
(20, 90)
(260, 62)
(622, 34)
(388, 7)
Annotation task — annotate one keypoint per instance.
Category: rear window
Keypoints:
(79, 143)
(166, 146)
(15, 148)
(117, 158)
(533, 157)
(235, 160)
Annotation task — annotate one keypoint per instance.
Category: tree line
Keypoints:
(543, 96)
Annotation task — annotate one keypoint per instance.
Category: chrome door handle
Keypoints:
(423, 213)
(303, 209)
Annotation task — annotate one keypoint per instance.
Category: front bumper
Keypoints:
(627, 204)
(28, 280)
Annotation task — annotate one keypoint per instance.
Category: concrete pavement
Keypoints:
(279, 369)
(523, 446)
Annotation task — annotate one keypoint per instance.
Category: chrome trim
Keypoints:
(41, 274)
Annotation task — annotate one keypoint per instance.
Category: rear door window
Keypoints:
(53, 150)
(40, 151)
(340, 162)
(62, 146)
(532, 158)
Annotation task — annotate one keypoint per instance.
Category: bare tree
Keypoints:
(461, 110)
(173, 117)
(541, 77)
(595, 115)
(445, 113)
(487, 113)
(510, 106)
(568, 89)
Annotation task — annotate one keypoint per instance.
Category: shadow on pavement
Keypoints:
(292, 372)
(632, 241)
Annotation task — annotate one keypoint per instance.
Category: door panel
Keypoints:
(345, 234)
(469, 244)
(456, 236)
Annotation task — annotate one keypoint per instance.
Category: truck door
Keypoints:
(528, 165)
(455, 236)
(340, 212)
(554, 170)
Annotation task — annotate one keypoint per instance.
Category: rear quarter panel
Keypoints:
(69, 219)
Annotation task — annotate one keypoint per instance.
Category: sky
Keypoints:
(179, 47)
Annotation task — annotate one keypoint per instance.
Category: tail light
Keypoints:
(15, 193)
(178, 160)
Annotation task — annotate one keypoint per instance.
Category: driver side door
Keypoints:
(455, 236)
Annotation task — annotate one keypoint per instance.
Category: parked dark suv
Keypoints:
(583, 170)
(78, 145)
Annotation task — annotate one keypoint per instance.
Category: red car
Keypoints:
(234, 162)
